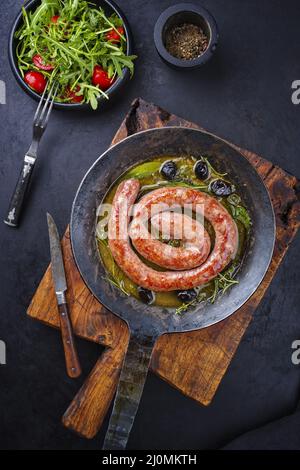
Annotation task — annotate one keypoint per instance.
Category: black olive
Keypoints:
(168, 170)
(187, 295)
(201, 170)
(147, 296)
(221, 188)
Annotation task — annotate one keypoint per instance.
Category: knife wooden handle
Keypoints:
(71, 357)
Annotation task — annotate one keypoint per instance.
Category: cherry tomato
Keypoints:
(72, 95)
(113, 36)
(36, 81)
(39, 62)
(54, 19)
(101, 78)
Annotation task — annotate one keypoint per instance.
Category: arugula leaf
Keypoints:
(74, 45)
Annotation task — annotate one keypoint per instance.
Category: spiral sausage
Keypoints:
(174, 226)
(225, 245)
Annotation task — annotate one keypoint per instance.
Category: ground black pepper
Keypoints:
(186, 41)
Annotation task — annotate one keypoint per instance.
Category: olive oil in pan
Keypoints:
(150, 177)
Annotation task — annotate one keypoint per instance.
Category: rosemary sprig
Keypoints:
(221, 284)
(185, 306)
(212, 169)
(112, 277)
(118, 283)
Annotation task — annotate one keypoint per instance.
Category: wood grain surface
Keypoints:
(71, 356)
(193, 362)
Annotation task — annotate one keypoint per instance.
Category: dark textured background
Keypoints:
(244, 95)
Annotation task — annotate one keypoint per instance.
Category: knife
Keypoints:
(60, 285)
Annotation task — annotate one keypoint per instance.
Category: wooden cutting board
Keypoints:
(193, 362)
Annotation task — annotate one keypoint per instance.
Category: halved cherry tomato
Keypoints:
(35, 80)
(39, 62)
(54, 19)
(101, 78)
(113, 36)
(71, 94)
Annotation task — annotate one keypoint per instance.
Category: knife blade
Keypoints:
(57, 264)
(60, 286)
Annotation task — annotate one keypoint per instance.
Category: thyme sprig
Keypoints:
(112, 277)
(118, 283)
(221, 284)
(201, 296)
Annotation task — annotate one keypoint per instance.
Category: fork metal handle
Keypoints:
(17, 200)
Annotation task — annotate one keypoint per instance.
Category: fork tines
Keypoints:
(42, 114)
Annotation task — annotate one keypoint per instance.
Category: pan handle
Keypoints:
(130, 388)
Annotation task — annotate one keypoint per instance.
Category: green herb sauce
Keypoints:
(150, 178)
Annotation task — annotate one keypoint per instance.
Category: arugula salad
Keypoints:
(74, 43)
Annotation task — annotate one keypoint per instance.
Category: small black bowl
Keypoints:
(109, 7)
(185, 13)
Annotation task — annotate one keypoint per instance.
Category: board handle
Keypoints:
(87, 411)
(130, 388)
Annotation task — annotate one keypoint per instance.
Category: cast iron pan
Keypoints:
(146, 323)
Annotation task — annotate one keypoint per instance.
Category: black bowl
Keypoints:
(185, 13)
(109, 7)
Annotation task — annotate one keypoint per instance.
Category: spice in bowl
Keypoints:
(186, 41)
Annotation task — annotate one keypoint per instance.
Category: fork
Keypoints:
(40, 122)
